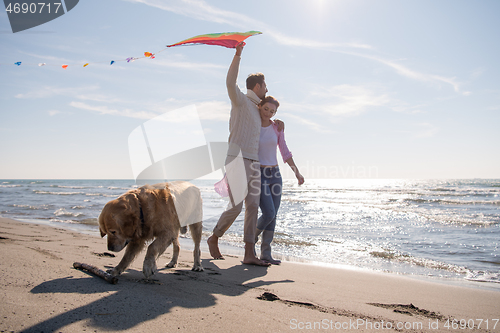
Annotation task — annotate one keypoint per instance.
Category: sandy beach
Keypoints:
(42, 292)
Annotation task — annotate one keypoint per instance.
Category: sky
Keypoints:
(367, 89)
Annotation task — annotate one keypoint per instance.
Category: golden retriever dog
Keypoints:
(153, 214)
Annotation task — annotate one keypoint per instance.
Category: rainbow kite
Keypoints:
(226, 39)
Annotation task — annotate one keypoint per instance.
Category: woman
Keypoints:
(271, 183)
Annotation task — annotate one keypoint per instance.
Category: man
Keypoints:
(244, 128)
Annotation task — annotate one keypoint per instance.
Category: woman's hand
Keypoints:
(300, 178)
(281, 125)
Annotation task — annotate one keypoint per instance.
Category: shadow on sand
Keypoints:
(135, 300)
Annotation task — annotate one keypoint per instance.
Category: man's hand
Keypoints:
(281, 125)
(239, 49)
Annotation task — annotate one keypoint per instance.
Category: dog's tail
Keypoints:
(184, 230)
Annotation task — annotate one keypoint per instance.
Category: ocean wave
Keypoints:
(89, 221)
(384, 254)
(64, 212)
(291, 242)
(480, 276)
(14, 215)
(72, 187)
(57, 193)
(119, 188)
(10, 185)
(478, 220)
(101, 195)
(33, 207)
(60, 220)
(452, 202)
(420, 191)
(427, 263)
(461, 194)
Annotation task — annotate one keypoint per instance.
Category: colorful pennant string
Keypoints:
(226, 39)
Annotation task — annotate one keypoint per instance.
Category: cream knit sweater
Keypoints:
(244, 122)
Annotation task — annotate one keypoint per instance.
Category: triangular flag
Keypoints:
(112, 62)
(64, 66)
(17, 63)
(86, 65)
(41, 64)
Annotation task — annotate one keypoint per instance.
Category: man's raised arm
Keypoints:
(232, 74)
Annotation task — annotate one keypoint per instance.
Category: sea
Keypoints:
(448, 230)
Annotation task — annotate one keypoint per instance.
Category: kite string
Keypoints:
(111, 62)
(222, 39)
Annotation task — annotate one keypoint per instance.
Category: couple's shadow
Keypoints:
(135, 300)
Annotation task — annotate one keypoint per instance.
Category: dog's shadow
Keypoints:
(135, 300)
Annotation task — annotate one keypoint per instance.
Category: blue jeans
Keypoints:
(270, 197)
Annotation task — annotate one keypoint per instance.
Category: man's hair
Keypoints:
(270, 99)
(253, 79)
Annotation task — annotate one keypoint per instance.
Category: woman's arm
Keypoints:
(292, 165)
(287, 154)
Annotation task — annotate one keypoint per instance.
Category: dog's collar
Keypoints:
(142, 214)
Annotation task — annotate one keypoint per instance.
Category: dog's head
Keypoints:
(120, 220)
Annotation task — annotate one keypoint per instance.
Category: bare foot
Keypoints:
(213, 247)
(250, 258)
(255, 261)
